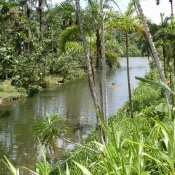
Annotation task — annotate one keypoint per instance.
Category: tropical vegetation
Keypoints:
(38, 40)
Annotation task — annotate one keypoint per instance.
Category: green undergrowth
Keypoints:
(145, 99)
(142, 145)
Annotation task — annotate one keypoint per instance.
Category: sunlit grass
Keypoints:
(5, 86)
(5, 95)
(8, 92)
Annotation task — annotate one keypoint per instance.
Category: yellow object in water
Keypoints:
(113, 85)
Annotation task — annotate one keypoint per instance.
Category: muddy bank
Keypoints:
(11, 98)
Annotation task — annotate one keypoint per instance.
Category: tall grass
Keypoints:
(123, 156)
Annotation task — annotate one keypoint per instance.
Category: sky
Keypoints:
(150, 9)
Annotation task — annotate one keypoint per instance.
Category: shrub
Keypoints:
(33, 89)
(22, 90)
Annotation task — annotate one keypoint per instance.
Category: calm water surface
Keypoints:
(71, 100)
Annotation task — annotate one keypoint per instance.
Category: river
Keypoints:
(71, 100)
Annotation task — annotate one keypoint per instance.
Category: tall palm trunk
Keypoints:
(99, 70)
(99, 66)
(90, 70)
(174, 58)
(128, 76)
(104, 86)
(164, 56)
(171, 2)
(52, 68)
(6, 72)
(40, 10)
(153, 49)
(40, 21)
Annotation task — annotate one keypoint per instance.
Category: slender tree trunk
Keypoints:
(28, 43)
(164, 56)
(6, 73)
(174, 58)
(28, 12)
(90, 72)
(148, 53)
(104, 86)
(171, 2)
(52, 69)
(40, 22)
(128, 76)
(41, 36)
(154, 52)
(99, 70)
(3, 30)
(99, 65)
(98, 48)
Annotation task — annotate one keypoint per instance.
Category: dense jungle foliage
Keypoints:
(38, 40)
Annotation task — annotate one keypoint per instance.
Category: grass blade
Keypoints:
(83, 169)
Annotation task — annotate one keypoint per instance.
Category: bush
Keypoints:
(22, 90)
(33, 89)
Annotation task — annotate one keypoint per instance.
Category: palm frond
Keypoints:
(47, 128)
(69, 34)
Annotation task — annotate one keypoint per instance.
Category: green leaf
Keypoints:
(67, 169)
(10, 166)
(163, 107)
(159, 84)
(47, 128)
(44, 167)
(83, 169)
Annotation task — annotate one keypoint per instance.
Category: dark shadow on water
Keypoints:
(81, 127)
(4, 115)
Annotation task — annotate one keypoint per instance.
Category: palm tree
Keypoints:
(26, 8)
(161, 34)
(52, 32)
(104, 106)
(143, 44)
(40, 10)
(67, 10)
(127, 22)
(96, 11)
(46, 127)
(128, 25)
(89, 67)
(154, 52)
(170, 34)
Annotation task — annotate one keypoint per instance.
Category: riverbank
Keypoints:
(9, 93)
(130, 140)
(9, 97)
(135, 145)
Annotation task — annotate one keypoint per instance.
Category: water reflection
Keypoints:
(71, 100)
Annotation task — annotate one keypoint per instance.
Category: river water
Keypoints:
(71, 100)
